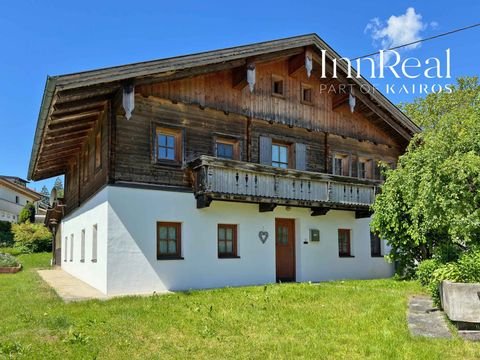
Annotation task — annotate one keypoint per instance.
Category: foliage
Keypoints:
(334, 320)
(32, 237)
(27, 213)
(432, 198)
(466, 269)
(425, 270)
(11, 250)
(45, 195)
(58, 185)
(7, 260)
(6, 236)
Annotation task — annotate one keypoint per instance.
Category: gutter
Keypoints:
(47, 98)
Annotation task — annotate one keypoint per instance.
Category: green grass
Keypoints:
(351, 319)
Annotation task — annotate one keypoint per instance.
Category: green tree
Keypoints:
(45, 195)
(59, 187)
(27, 213)
(32, 237)
(432, 200)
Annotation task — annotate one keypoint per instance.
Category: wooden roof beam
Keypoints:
(79, 106)
(64, 139)
(58, 119)
(84, 123)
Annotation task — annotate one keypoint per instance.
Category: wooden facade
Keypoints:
(87, 128)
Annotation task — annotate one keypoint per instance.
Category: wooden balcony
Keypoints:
(229, 180)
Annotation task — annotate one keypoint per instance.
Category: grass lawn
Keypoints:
(351, 319)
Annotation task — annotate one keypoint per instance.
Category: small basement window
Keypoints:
(277, 86)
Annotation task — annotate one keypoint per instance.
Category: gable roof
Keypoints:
(101, 83)
(25, 191)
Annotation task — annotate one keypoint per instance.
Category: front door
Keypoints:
(285, 249)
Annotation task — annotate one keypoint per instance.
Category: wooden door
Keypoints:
(285, 249)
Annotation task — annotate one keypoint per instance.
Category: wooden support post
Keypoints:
(319, 211)
(265, 207)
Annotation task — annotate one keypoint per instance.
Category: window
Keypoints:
(66, 249)
(227, 240)
(365, 168)
(94, 243)
(341, 165)
(280, 156)
(227, 149)
(277, 86)
(17, 200)
(98, 148)
(85, 163)
(82, 247)
(344, 245)
(71, 247)
(169, 144)
(169, 236)
(375, 245)
(306, 94)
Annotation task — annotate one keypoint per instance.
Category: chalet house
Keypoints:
(14, 195)
(224, 168)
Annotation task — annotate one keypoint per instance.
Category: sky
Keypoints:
(45, 37)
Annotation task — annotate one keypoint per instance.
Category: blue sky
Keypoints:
(43, 38)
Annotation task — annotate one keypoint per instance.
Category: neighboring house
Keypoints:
(224, 168)
(14, 194)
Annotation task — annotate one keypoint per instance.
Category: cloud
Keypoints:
(398, 30)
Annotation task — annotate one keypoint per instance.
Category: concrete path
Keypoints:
(70, 288)
(426, 320)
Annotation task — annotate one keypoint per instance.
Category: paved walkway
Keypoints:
(70, 288)
(426, 320)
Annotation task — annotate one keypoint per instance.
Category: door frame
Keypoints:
(294, 254)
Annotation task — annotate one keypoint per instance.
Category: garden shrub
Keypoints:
(6, 236)
(425, 269)
(27, 213)
(32, 237)
(7, 260)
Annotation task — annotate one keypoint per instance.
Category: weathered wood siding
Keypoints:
(77, 188)
(216, 91)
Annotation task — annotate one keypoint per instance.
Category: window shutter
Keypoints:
(333, 164)
(300, 156)
(349, 164)
(265, 148)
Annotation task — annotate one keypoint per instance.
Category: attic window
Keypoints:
(277, 86)
(306, 94)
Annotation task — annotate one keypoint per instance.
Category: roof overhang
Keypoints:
(72, 103)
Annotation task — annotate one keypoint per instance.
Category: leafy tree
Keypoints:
(32, 237)
(45, 195)
(59, 187)
(432, 200)
(27, 213)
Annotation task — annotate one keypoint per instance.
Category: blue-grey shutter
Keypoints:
(300, 156)
(265, 149)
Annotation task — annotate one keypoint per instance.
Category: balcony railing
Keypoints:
(249, 182)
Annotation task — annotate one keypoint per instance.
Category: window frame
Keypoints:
(228, 141)
(98, 149)
(94, 243)
(349, 243)
(178, 253)
(290, 164)
(82, 246)
(278, 79)
(234, 253)
(346, 166)
(303, 88)
(369, 168)
(376, 238)
(177, 133)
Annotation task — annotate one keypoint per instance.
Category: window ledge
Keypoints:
(170, 258)
(228, 257)
(346, 256)
(377, 256)
(172, 163)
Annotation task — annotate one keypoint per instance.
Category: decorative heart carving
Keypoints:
(263, 235)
